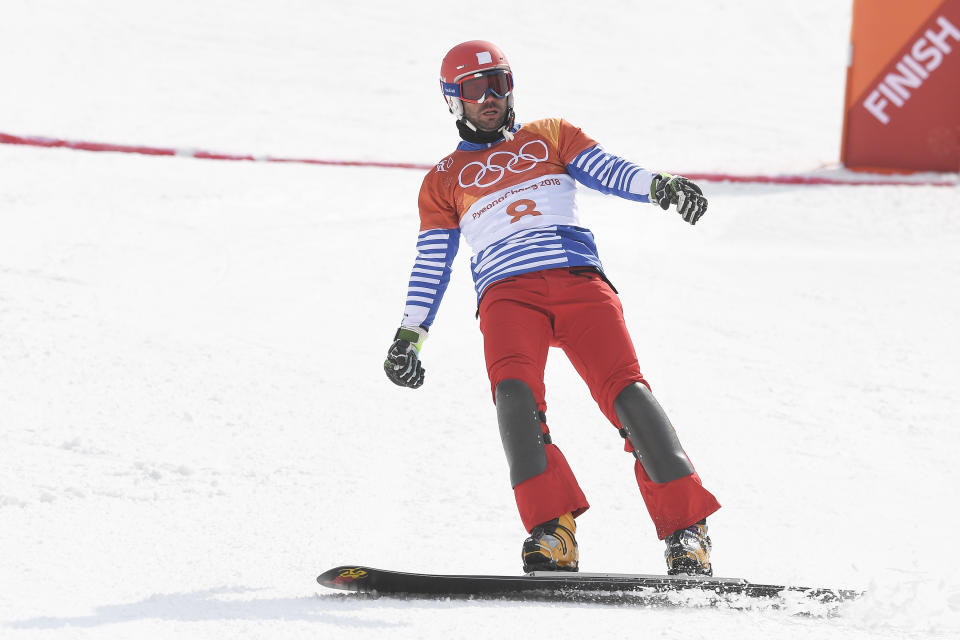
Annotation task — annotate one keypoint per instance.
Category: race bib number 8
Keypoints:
(522, 208)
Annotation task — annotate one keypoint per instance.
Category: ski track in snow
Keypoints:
(194, 420)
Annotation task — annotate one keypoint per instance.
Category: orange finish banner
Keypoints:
(902, 110)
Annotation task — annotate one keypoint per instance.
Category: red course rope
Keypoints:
(38, 141)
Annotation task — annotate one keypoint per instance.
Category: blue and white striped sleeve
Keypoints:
(597, 169)
(436, 249)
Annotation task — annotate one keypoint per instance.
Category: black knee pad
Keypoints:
(521, 430)
(649, 431)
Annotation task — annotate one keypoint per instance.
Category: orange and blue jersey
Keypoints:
(514, 202)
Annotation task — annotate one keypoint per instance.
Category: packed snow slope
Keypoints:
(194, 421)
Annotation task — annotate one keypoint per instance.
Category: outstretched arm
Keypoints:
(607, 173)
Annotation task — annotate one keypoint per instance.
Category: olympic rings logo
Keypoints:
(499, 163)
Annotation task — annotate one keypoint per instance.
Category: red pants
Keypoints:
(521, 318)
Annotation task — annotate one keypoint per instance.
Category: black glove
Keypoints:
(666, 190)
(403, 365)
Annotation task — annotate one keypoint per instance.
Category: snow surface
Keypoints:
(193, 416)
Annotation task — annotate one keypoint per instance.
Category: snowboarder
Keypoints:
(509, 189)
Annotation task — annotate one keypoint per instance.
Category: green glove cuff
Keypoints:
(659, 179)
(414, 335)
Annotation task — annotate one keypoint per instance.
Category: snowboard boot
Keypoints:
(688, 551)
(552, 546)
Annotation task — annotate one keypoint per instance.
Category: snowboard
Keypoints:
(575, 587)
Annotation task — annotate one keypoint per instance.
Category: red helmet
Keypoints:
(471, 58)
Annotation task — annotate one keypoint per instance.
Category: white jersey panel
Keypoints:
(543, 201)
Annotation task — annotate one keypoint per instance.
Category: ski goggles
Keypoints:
(477, 86)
